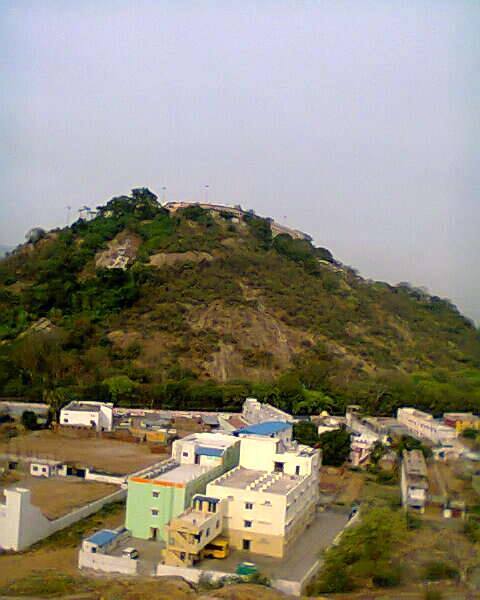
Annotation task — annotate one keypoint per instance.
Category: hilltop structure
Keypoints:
(238, 213)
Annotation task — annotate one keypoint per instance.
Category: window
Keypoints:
(229, 497)
(248, 505)
(65, 420)
(207, 533)
(246, 544)
(217, 524)
(35, 468)
(267, 503)
(94, 550)
(155, 494)
(278, 467)
(247, 524)
(297, 470)
(154, 512)
(184, 453)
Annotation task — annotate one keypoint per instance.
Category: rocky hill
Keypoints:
(198, 305)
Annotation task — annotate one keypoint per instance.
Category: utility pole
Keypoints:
(206, 193)
(69, 208)
(164, 194)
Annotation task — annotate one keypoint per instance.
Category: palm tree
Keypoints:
(56, 398)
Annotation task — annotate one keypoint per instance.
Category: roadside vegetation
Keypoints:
(392, 549)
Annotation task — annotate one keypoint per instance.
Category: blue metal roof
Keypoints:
(206, 451)
(206, 498)
(268, 428)
(103, 537)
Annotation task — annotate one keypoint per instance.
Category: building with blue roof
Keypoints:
(268, 429)
(102, 540)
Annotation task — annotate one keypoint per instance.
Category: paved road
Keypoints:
(301, 557)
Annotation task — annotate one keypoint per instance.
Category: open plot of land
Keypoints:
(457, 483)
(102, 454)
(341, 485)
(58, 496)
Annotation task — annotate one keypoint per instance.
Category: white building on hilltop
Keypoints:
(95, 415)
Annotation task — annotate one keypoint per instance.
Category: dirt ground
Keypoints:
(344, 485)
(112, 456)
(58, 496)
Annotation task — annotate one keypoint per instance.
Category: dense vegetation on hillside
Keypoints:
(213, 307)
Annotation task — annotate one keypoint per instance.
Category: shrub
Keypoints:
(437, 570)
(471, 529)
(29, 420)
(470, 434)
(387, 477)
(387, 575)
(413, 521)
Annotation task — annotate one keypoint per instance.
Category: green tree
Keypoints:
(29, 420)
(305, 432)
(290, 391)
(377, 452)
(335, 446)
(364, 553)
(56, 398)
(121, 387)
(407, 442)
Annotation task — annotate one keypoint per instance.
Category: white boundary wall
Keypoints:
(107, 563)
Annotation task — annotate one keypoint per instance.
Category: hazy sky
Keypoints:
(357, 122)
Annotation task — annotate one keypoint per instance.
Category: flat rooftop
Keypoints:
(283, 484)
(239, 478)
(259, 481)
(212, 440)
(182, 473)
(78, 406)
(415, 464)
(194, 517)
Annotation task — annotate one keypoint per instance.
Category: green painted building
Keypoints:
(163, 493)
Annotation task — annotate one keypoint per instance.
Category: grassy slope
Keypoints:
(251, 311)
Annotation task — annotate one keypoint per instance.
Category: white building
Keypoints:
(95, 415)
(326, 422)
(422, 425)
(254, 411)
(272, 494)
(361, 445)
(46, 468)
(414, 480)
